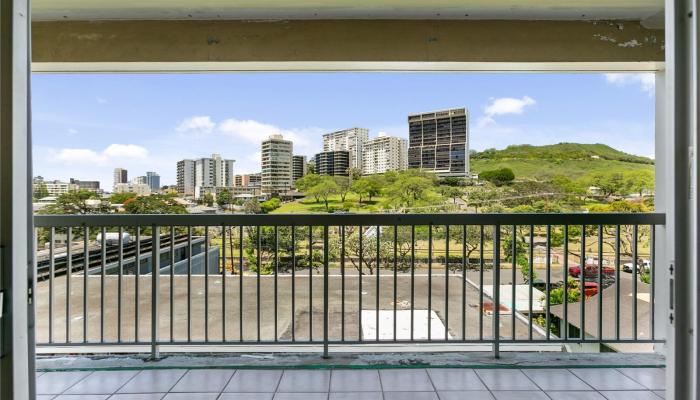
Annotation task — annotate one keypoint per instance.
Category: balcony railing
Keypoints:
(345, 279)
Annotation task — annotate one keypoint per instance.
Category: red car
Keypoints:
(591, 288)
(591, 271)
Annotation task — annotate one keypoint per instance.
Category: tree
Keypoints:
(207, 199)
(224, 199)
(40, 190)
(307, 181)
(408, 188)
(344, 186)
(252, 206)
(154, 204)
(78, 202)
(610, 184)
(121, 198)
(270, 205)
(499, 176)
(452, 181)
(361, 188)
(451, 192)
(324, 189)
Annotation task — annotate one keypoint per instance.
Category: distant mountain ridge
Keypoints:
(561, 152)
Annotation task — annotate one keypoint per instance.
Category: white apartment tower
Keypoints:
(350, 140)
(204, 172)
(384, 153)
(276, 165)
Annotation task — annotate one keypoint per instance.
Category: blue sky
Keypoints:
(85, 125)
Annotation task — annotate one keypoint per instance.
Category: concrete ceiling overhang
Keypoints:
(640, 10)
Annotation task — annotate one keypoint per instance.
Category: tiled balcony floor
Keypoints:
(360, 384)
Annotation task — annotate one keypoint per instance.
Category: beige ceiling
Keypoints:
(351, 9)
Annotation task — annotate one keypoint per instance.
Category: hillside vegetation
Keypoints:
(573, 160)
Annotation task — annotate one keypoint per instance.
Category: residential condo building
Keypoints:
(334, 163)
(298, 167)
(185, 177)
(276, 165)
(140, 189)
(350, 140)
(439, 142)
(204, 172)
(384, 153)
(120, 176)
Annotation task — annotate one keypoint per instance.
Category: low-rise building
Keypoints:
(140, 189)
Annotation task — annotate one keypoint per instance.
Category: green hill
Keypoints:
(574, 160)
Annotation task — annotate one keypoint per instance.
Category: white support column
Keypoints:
(682, 214)
(16, 236)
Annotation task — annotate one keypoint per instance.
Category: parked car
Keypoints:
(591, 272)
(590, 288)
(642, 266)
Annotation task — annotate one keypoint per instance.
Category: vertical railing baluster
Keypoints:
(548, 282)
(189, 283)
(103, 267)
(413, 274)
(617, 282)
(258, 260)
(376, 288)
(137, 294)
(496, 291)
(223, 282)
(325, 291)
(86, 267)
(52, 266)
(277, 266)
(430, 279)
(69, 272)
(294, 267)
(464, 282)
(582, 283)
(635, 266)
(566, 282)
(481, 282)
(513, 278)
(155, 290)
(530, 278)
(396, 238)
(206, 283)
(120, 276)
(240, 285)
(311, 283)
(447, 281)
(171, 307)
(359, 287)
(652, 276)
(342, 283)
(600, 282)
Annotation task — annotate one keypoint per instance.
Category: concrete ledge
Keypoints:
(357, 360)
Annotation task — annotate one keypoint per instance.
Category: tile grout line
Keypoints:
(75, 383)
(535, 383)
(484, 383)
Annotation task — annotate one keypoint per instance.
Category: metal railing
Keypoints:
(345, 279)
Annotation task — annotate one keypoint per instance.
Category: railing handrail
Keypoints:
(47, 221)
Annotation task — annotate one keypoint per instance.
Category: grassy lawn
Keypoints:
(309, 205)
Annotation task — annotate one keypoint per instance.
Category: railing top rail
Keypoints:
(46, 221)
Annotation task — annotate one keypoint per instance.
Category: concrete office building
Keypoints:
(298, 167)
(141, 189)
(185, 177)
(92, 186)
(120, 176)
(350, 140)
(153, 181)
(384, 153)
(439, 142)
(334, 163)
(276, 165)
(245, 180)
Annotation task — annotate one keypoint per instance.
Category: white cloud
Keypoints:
(196, 124)
(503, 106)
(114, 153)
(72, 131)
(646, 81)
(125, 151)
(101, 100)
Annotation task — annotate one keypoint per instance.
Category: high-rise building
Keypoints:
(203, 172)
(185, 177)
(255, 180)
(384, 153)
(153, 181)
(439, 142)
(334, 163)
(276, 165)
(120, 176)
(350, 140)
(298, 167)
